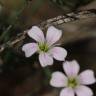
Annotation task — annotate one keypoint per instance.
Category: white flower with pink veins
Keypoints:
(72, 83)
(46, 47)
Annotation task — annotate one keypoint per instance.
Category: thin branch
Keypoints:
(70, 17)
(11, 43)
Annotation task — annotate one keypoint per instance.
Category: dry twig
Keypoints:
(70, 17)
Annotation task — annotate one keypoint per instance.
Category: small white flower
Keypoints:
(72, 82)
(45, 46)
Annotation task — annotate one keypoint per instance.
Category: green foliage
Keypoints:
(71, 4)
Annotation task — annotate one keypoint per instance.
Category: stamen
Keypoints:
(72, 83)
(43, 47)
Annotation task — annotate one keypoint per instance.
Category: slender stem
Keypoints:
(47, 73)
(4, 34)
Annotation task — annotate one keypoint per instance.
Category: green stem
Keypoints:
(47, 73)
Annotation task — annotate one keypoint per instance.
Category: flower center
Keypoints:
(72, 83)
(43, 47)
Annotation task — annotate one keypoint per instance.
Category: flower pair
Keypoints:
(72, 83)
(46, 47)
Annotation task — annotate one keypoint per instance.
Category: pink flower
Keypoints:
(45, 46)
(72, 82)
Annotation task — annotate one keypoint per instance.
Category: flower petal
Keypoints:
(67, 92)
(71, 68)
(36, 33)
(87, 77)
(53, 35)
(83, 91)
(58, 79)
(29, 49)
(58, 53)
(45, 59)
